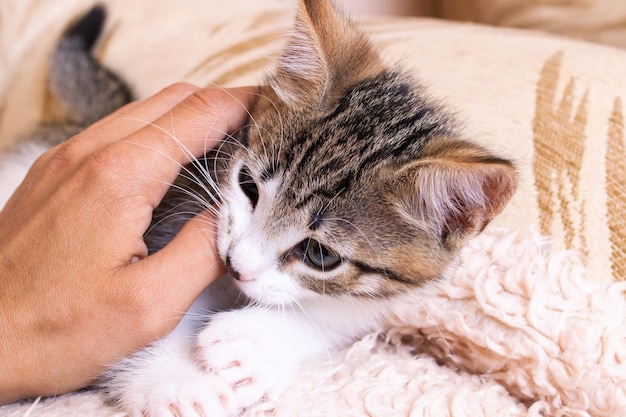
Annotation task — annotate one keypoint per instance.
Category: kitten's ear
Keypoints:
(324, 55)
(455, 190)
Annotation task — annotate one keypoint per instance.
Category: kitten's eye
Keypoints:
(318, 255)
(248, 186)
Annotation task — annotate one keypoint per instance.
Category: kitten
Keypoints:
(348, 190)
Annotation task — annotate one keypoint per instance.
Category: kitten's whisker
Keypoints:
(195, 197)
(355, 227)
(190, 156)
(247, 110)
(270, 156)
(309, 317)
(172, 134)
(441, 334)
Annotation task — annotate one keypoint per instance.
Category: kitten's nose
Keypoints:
(232, 270)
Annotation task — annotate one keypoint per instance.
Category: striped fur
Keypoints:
(363, 162)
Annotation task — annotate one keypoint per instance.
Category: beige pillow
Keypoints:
(602, 21)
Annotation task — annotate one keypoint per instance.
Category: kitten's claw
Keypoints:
(237, 359)
(241, 374)
(199, 395)
(194, 409)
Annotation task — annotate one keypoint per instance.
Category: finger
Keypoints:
(137, 114)
(200, 113)
(186, 132)
(124, 121)
(116, 126)
(186, 266)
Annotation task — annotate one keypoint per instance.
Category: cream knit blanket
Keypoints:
(517, 331)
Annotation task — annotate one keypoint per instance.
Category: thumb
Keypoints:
(186, 265)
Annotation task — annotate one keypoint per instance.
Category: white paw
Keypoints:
(204, 396)
(175, 392)
(240, 357)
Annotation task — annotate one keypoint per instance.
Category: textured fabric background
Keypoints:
(554, 104)
(602, 21)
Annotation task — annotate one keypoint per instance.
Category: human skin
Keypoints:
(77, 289)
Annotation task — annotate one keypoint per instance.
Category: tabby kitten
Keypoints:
(348, 190)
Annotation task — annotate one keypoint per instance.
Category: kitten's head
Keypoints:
(349, 180)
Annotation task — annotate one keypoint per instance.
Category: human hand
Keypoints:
(77, 289)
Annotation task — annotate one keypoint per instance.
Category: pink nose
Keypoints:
(240, 277)
(243, 278)
(236, 274)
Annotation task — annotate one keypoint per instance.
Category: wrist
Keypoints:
(16, 353)
(12, 383)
